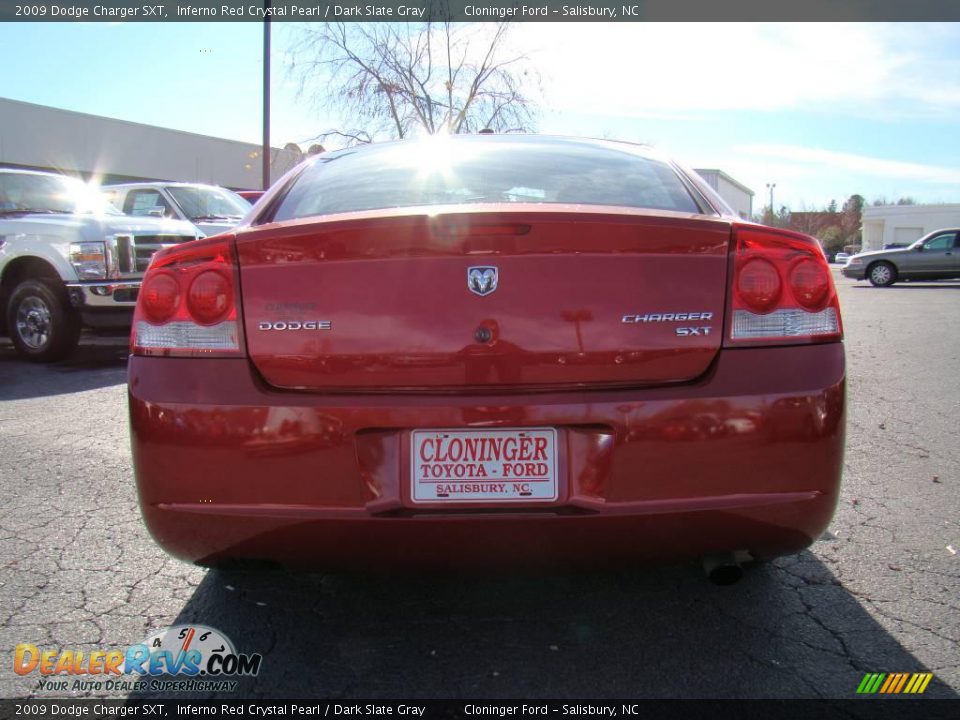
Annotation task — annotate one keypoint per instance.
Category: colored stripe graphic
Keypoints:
(894, 683)
(903, 680)
(922, 682)
(870, 683)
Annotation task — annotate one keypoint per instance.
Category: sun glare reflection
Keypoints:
(434, 155)
(89, 198)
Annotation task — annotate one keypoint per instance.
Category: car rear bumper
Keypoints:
(747, 458)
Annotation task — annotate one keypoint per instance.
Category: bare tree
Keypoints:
(391, 80)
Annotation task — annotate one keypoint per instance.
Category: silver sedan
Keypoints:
(935, 256)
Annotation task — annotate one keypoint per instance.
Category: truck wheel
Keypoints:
(41, 322)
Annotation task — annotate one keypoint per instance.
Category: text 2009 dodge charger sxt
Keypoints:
(488, 350)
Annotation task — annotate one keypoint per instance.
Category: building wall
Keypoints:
(48, 138)
(886, 224)
(736, 195)
(740, 201)
(710, 177)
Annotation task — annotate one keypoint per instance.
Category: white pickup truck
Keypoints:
(210, 208)
(69, 259)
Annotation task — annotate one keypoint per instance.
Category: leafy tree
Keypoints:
(907, 200)
(396, 79)
(766, 216)
(783, 217)
(833, 239)
(854, 205)
(852, 218)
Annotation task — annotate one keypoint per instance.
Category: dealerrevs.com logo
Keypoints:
(178, 659)
(894, 683)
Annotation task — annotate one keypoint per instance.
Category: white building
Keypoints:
(46, 138)
(738, 196)
(902, 224)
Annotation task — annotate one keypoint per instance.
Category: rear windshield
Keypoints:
(482, 170)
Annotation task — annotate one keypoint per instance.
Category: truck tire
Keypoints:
(40, 321)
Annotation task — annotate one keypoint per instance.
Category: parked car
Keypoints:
(210, 208)
(841, 257)
(68, 259)
(251, 196)
(935, 256)
(475, 345)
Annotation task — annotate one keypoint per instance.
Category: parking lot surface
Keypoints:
(879, 593)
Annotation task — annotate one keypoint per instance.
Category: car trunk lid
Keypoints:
(583, 296)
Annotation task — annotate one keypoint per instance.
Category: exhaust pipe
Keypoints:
(722, 568)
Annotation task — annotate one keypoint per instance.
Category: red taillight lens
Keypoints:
(188, 303)
(810, 284)
(210, 297)
(782, 291)
(758, 285)
(160, 297)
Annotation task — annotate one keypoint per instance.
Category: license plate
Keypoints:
(484, 466)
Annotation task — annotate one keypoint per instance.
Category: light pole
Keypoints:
(265, 150)
(770, 187)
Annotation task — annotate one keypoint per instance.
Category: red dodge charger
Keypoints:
(489, 350)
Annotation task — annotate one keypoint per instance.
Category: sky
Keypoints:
(821, 110)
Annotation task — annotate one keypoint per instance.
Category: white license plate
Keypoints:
(484, 466)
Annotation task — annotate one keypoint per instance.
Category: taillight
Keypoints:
(210, 297)
(160, 296)
(810, 284)
(758, 285)
(781, 290)
(188, 303)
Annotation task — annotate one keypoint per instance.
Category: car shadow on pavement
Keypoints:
(99, 362)
(788, 629)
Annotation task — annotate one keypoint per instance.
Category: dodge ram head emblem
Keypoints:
(482, 280)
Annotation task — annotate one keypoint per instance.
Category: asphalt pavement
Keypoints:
(879, 593)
